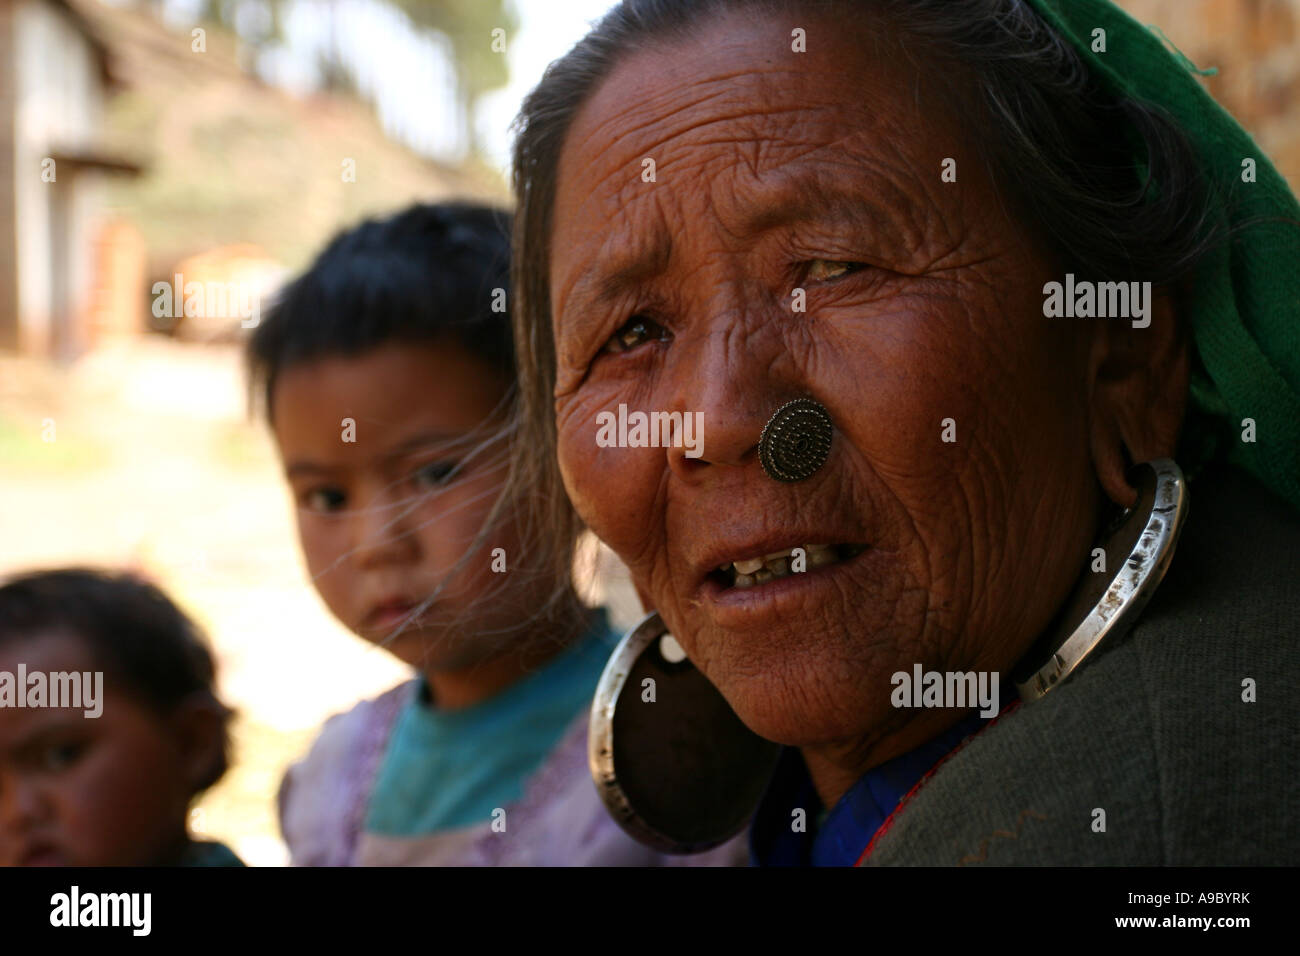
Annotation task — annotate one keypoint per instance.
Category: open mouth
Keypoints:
(751, 572)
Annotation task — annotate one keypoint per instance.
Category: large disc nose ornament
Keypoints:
(796, 440)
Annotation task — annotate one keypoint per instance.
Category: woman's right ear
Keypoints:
(1139, 380)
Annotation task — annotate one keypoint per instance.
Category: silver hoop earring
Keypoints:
(678, 770)
(1138, 545)
(673, 763)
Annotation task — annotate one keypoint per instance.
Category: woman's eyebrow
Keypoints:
(815, 196)
(640, 259)
(783, 201)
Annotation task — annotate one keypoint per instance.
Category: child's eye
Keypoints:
(824, 270)
(60, 756)
(324, 499)
(435, 474)
(636, 331)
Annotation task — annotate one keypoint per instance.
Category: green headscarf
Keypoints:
(1245, 299)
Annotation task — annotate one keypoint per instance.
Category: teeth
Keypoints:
(753, 571)
(819, 557)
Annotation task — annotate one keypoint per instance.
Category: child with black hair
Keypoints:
(387, 372)
(105, 779)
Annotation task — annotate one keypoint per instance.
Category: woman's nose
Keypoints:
(731, 384)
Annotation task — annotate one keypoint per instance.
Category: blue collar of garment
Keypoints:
(841, 836)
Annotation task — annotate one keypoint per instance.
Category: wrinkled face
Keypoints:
(385, 457)
(922, 320)
(112, 790)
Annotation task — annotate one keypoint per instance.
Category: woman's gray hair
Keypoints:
(1061, 148)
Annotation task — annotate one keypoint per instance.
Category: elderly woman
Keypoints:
(900, 230)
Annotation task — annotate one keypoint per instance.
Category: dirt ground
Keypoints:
(154, 464)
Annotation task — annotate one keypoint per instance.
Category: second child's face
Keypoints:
(111, 790)
(377, 449)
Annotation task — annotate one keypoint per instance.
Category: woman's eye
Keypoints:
(436, 474)
(636, 331)
(823, 270)
(324, 499)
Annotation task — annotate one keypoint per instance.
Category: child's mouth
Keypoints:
(43, 854)
(392, 614)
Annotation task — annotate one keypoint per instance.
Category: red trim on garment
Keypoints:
(928, 774)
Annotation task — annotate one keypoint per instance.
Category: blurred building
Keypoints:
(54, 80)
(1253, 49)
(245, 181)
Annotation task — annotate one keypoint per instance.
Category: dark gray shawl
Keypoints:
(1154, 731)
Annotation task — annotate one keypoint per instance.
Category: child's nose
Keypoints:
(384, 531)
(21, 803)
